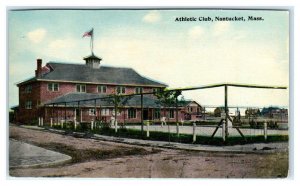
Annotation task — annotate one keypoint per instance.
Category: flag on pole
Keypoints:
(88, 34)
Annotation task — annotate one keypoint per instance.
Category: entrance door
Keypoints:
(145, 114)
(77, 112)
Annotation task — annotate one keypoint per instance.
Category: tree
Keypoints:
(118, 100)
(168, 98)
(218, 111)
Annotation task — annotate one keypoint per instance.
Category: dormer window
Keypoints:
(81, 88)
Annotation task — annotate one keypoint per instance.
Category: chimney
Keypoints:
(38, 71)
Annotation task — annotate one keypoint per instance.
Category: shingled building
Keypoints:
(57, 91)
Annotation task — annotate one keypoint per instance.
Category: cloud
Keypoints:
(36, 36)
(179, 63)
(61, 44)
(63, 49)
(152, 17)
(196, 32)
(201, 63)
(220, 28)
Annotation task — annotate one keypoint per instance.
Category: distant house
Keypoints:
(57, 89)
(275, 112)
(252, 112)
(191, 110)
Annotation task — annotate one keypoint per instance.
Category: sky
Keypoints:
(180, 54)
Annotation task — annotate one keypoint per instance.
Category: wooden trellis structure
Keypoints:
(225, 85)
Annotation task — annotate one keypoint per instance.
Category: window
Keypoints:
(198, 110)
(28, 89)
(28, 105)
(81, 88)
(131, 113)
(121, 90)
(53, 86)
(113, 112)
(104, 112)
(171, 113)
(157, 114)
(92, 112)
(102, 89)
(138, 90)
(155, 90)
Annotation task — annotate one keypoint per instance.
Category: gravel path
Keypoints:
(96, 158)
(25, 155)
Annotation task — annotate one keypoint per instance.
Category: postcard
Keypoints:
(149, 93)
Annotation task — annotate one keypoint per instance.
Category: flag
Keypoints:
(88, 34)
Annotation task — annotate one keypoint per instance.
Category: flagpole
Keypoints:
(92, 42)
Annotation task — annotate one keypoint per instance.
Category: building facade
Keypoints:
(58, 90)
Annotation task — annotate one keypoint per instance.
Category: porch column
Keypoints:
(75, 118)
(142, 117)
(100, 115)
(80, 115)
(95, 110)
(116, 114)
(57, 119)
(65, 112)
(52, 114)
(124, 115)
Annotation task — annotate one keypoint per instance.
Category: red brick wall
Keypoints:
(58, 114)
(64, 88)
(41, 94)
(28, 115)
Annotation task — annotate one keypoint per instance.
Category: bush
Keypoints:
(104, 129)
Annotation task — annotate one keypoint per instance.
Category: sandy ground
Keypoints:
(94, 158)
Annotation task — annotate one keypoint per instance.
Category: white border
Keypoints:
(293, 180)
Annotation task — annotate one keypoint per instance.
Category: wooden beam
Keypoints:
(215, 131)
(186, 89)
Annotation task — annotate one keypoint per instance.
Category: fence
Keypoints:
(163, 112)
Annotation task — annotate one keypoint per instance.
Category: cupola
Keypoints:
(92, 61)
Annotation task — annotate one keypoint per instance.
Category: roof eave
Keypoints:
(99, 83)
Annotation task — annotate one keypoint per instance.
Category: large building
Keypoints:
(58, 89)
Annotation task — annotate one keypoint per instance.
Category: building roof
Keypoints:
(92, 56)
(185, 103)
(72, 99)
(81, 73)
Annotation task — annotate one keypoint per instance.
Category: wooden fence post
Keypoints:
(266, 130)
(194, 132)
(177, 129)
(148, 133)
(224, 130)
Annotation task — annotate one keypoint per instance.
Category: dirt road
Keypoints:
(94, 158)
